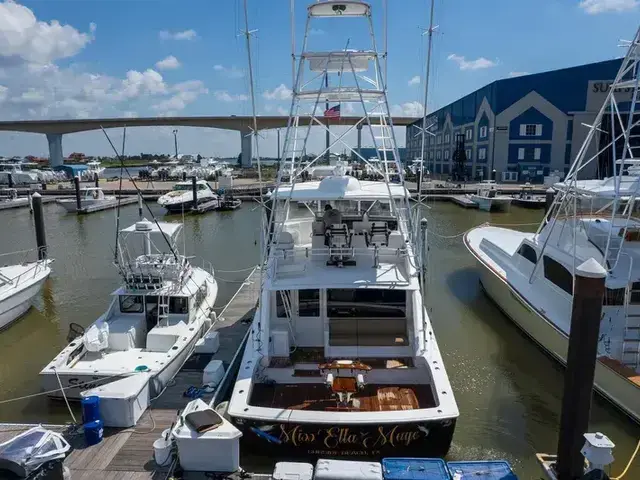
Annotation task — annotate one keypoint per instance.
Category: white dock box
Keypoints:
(210, 343)
(292, 471)
(213, 373)
(217, 450)
(347, 470)
(123, 402)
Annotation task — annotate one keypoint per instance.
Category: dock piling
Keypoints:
(38, 221)
(10, 180)
(96, 180)
(194, 190)
(548, 201)
(140, 205)
(76, 186)
(581, 364)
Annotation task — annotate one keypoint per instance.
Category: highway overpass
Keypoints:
(55, 129)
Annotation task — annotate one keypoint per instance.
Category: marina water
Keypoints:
(507, 390)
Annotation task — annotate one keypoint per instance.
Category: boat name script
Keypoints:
(342, 436)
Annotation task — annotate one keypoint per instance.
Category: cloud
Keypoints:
(183, 94)
(281, 92)
(316, 31)
(408, 109)
(231, 72)
(225, 96)
(23, 39)
(477, 64)
(148, 82)
(414, 80)
(184, 35)
(517, 74)
(3, 93)
(169, 63)
(594, 7)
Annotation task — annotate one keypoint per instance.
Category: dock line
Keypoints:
(626, 469)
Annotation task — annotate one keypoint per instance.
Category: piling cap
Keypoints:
(35, 195)
(550, 190)
(591, 269)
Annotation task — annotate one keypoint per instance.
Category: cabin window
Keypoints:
(179, 305)
(202, 187)
(366, 302)
(309, 303)
(131, 304)
(613, 296)
(283, 303)
(558, 275)
(526, 251)
(635, 293)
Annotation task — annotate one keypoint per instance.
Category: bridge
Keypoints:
(55, 129)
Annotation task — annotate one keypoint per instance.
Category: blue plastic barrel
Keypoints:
(93, 432)
(90, 409)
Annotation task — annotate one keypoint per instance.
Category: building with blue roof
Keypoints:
(523, 128)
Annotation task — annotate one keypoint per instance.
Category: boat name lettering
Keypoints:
(78, 382)
(603, 87)
(334, 437)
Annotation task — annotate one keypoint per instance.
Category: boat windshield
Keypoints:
(182, 187)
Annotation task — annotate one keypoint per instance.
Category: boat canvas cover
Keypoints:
(28, 451)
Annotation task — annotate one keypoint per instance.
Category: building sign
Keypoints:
(597, 91)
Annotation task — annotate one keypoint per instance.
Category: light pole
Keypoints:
(175, 141)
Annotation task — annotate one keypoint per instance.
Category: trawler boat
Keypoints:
(90, 197)
(342, 359)
(19, 284)
(181, 197)
(162, 309)
(488, 199)
(530, 275)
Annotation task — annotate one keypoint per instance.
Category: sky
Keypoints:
(139, 58)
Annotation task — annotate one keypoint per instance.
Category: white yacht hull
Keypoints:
(70, 205)
(17, 300)
(616, 388)
(489, 204)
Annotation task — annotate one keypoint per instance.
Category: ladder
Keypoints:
(163, 309)
(347, 78)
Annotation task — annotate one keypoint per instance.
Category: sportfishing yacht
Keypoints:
(530, 275)
(342, 359)
(181, 197)
(162, 309)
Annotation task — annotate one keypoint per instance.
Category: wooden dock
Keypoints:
(127, 454)
(463, 201)
(107, 206)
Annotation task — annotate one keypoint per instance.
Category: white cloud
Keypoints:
(517, 74)
(184, 35)
(414, 80)
(31, 96)
(24, 39)
(408, 109)
(148, 82)
(3, 93)
(169, 63)
(184, 94)
(225, 96)
(230, 72)
(281, 92)
(602, 6)
(477, 64)
(130, 114)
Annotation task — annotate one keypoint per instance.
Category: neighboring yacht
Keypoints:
(18, 176)
(181, 197)
(342, 359)
(94, 168)
(153, 322)
(19, 284)
(90, 197)
(530, 275)
(488, 199)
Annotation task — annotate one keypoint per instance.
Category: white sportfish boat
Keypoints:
(153, 322)
(19, 285)
(530, 275)
(488, 199)
(342, 359)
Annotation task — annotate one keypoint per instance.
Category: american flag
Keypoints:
(333, 112)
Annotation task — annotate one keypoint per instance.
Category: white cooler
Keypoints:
(347, 470)
(292, 471)
(217, 450)
(123, 402)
